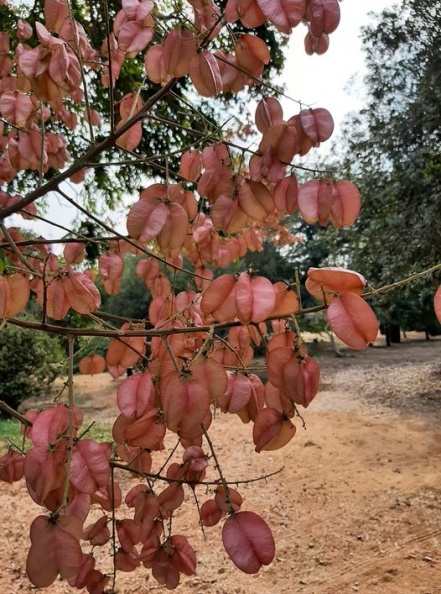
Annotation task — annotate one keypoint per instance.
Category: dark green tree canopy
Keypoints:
(29, 363)
(394, 145)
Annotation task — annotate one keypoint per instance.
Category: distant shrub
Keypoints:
(29, 363)
(89, 346)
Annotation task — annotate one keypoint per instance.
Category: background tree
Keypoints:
(133, 299)
(29, 363)
(393, 154)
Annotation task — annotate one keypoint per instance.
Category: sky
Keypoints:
(320, 81)
(323, 80)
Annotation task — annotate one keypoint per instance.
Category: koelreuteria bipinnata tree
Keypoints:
(192, 350)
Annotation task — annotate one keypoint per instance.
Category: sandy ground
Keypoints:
(357, 507)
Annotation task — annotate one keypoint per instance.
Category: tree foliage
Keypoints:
(202, 205)
(394, 154)
(132, 300)
(29, 363)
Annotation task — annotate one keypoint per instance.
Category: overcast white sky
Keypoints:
(323, 80)
(318, 80)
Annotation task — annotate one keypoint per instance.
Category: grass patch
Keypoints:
(10, 432)
(98, 431)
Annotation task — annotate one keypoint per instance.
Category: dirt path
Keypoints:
(357, 507)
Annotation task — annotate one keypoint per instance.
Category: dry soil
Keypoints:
(357, 507)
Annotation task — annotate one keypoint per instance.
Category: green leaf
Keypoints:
(2, 261)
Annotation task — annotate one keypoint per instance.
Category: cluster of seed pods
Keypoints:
(189, 374)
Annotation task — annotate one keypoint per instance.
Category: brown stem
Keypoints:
(166, 479)
(219, 471)
(71, 421)
(89, 155)
(235, 353)
(171, 354)
(13, 245)
(192, 329)
(45, 285)
(42, 136)
(405, 281)
(75, 48)
(109, 66)
(13, 413)
(123, 237)
(113, 541)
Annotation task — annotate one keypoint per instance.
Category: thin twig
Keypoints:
(42, 137)
(233, 350)
(123, 237)
(71, 398)
(171, 354)
(166, 479)
(76, 50)
(11, 243)
(195, 329)
(13, 413)
(113, 519)
(405, 281)
(109, 66)
(219, 470)
(80, 239)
